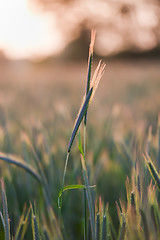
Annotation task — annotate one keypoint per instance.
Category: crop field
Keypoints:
(110, 187)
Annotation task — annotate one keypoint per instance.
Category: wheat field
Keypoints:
(110, 187)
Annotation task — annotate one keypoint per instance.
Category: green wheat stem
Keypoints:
(5, 212)
(60, 199)
(85, 207)
(23, 224)
(88, 195)
(152, 170)
(63, 180)
(84, 144)
(90, 60)
(122, 229)
(104, 229)
(78, 121)
(35, 227)
(98, 227)
(74, 132)
(85, 214)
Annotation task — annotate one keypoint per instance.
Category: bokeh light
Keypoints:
(40, 28)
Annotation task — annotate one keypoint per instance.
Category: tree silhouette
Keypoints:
(121, 25)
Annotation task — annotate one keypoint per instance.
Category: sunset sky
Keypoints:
(29, 31)
(25, 32)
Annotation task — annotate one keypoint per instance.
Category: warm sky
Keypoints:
(25, 32)
(28, 32)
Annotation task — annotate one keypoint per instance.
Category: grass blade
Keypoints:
(2, 227)
(5, 212)
(40, 169)
(152, 170)
(104, 228)
(86, 100)
(90, 59)
(35, 227)
(123, 229)
(89, 233)
(20, 163)
(98, 227)
(88, 194)
(45, 233)
(145, 225)
(75, 129)
(154, 219)
(71, 187)
(64, 174)
(79, 118)
(23, 224)
(54, 223)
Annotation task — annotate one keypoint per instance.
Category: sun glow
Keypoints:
(25, 32)
(29, 29)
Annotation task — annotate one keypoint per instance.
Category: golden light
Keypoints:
(28, 30)
(25, 32)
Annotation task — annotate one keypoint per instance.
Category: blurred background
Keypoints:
(43, 65)
(44, 49)
(41, 28)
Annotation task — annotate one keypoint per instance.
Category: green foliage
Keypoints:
(6, 222)
(108, 210)
(23, 224)
(35, 227)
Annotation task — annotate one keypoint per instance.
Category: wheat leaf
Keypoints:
(152, 170)
(20, 163)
